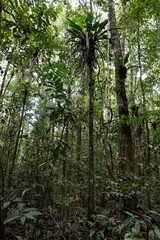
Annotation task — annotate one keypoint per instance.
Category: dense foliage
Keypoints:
(79, 119)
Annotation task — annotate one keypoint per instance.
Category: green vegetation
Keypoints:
(79, 120)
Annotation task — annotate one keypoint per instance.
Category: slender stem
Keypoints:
(1, 6)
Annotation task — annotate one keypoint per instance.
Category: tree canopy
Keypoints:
(79, 119)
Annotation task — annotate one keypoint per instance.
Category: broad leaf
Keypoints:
(11, 218)
(5, 205)
(23, 219)
(102, 25)
(11, 2)
(127, 221)
(137, 226)
(151, 235)
(90, 17)
(74, 25)
(31, 215)
(92, 233)
(157, 231)
(126, 57)
(95, 26)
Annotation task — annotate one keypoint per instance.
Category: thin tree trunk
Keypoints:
(2, 228)
(67, 120)
(17, 140)
(146, 164)
(91, 150)
(123, 34)
(157, 23)
(109, 113)
(4, 79)
(143, 93)
(12, 74)
(90, 62)
(126, 146)
(1, 7)
(79, 139)
(132, 86)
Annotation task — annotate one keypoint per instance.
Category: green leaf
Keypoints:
(154, 213)
(19, 237)
(131, 64)
(95, 26)
(127, 235)
(23, 219)
(102, 25)
(16, 2)
(151, 235)
(75, 33)
(157, 231)
(119, 61)
(127, 221)
(30, 210)
(133, 230)
(74, 25)
(11, 218)
(23, 193)
(31, 215)
(90, 17)
(49, 90)
(6, 204)
(102, 234)
(1, 143)
(126, 57)
(137, 226)
(92, 233)
(17, 200)
(12, 4)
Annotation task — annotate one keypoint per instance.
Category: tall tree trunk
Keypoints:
(2, 228)
(147, 137)
(1, 7)
(143, 93)
(91, 142)
(90, 62)
(157, 22)
(17, 139)
(109, 110)
(67, 120)
(4, 79)
(124, 30)
(126, 147)
(79, 140)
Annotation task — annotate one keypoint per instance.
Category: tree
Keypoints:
(125, 137)
(67, 108)
(88, 41)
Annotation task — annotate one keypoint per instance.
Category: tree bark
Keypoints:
(67, 120)
(126, 147)
(2, 228)
(79, 140)
(1, 7)
(124, 31)
(91, 151)
(157, 23)
(4, 79)
(90, 62)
